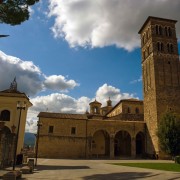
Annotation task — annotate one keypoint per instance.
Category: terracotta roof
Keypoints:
(62, 115)
(157, 18)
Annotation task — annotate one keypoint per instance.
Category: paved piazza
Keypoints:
(54, 169)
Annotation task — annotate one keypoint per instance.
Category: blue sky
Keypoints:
(70, 52)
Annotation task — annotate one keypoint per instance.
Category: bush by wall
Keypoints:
(177, 159)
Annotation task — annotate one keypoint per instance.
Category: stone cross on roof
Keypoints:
(13, 85)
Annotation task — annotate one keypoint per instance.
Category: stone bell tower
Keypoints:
(161, 75)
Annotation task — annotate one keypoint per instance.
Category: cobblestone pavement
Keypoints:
(57, 169)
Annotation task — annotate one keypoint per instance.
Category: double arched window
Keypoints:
(170, 48)
(168, 31)
(160, 46)
(158, 30)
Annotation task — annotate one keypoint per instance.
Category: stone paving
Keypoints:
(57, 169)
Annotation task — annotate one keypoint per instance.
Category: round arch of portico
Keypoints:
(122, 143)
(140, 143)
(100, 143)
(131, 133)
(93, 131)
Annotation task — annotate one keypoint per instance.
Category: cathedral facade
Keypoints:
(129, 128)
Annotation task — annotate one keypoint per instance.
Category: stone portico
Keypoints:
(92, 134)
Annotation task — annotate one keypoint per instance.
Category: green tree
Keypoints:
(169, 134)
(15, 12)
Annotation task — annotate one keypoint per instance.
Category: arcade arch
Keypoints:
(140, 144)
(101, 143)
(122, 144)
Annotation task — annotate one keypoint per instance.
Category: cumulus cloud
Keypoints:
(102, 23)
(61, 103)
(107, 91)
(29, 77)
(59, 82)
(55, 102)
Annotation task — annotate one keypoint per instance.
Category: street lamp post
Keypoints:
(21, 106)
(39, 124)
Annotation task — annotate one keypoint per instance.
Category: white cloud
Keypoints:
(115, 94)
(136, 80)
(54, 103)
(29, 77)
(57, 102)
(59, 82)
(107, 22)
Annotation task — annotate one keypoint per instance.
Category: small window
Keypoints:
(137, 110)
(51, 129)
(73, 130)
(128, 110)
(5, 115)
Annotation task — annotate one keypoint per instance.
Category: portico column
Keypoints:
(112, 147)
(133, 147)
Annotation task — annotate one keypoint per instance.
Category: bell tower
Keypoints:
(161, 75)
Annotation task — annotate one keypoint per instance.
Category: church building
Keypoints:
(13, 110)
(129, 128)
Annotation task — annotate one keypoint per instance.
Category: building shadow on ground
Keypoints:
(121, 176)
(49, 167)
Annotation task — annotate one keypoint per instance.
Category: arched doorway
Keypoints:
(6, 146)
(122, 144)
(100, 144)
(140, 144)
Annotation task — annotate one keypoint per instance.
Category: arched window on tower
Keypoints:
(160, 46)
(5, 115)
(157, 29)
(170, 48)
(160, 30)
(169, 31)
(166, 31)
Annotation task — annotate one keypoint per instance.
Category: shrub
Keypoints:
(177, 159)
